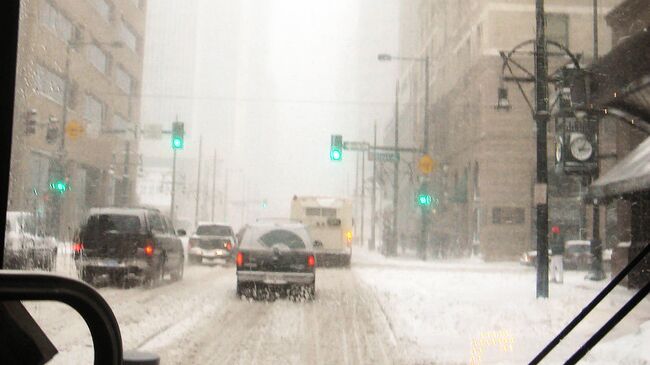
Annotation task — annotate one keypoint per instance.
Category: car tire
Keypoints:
(87, 277)
(177, 274)
(156, 275)
(310, 291)
(239, 289)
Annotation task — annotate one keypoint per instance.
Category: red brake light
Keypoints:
(228, 246)
(311, 261)
(77, 247)
(148, 248)
(240, 259)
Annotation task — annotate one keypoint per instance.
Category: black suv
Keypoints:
(128, 244)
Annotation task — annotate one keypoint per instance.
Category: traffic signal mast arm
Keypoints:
(365, 146)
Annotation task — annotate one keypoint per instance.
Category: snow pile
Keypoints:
(467, 311)
(632, 349)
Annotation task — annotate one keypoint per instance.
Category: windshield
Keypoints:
(422, 163)
(214, 230)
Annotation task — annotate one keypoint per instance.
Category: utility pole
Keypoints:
(172, 209)
(356, 193)
(214, 182)
(225, 196)
(198, 185)
(541, 119)
(394, 244)
(425, 147)
(596, 273)
(373, 211)
(363, 192)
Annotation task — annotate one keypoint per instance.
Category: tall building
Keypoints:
(486, 157)
(79, 66)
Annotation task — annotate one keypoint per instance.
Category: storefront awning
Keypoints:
(630, 175)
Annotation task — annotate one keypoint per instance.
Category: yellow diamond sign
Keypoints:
(74, 129)
(427, 164)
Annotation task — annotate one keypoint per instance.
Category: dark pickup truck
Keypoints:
(126, 245)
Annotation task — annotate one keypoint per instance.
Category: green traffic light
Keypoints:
(335, 154)
(59, 186)
(424, 199)
(177, 143)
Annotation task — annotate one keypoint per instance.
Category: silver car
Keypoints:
(26, 247)
(212, 243)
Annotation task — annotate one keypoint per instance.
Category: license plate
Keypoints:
(213, 261)
(111, 263)
(274, 279)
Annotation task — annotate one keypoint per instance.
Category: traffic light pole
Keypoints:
(541, 118)
(393, 245)
(373, 219)
(171, 210)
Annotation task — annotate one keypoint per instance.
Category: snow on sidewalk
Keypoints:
(468, 311)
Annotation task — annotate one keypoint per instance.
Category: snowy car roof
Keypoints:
(207, 223)
(118, 210)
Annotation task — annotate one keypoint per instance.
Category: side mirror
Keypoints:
(318, 243)
(181, 232)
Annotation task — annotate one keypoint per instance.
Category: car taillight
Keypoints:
(193, 242)
(148, 247)
(228, 246)
(240, 259)
(77, 247)
(311, 261)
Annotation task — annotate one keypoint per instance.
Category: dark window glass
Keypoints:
(281, 237)
(214, 230)
(101, 223)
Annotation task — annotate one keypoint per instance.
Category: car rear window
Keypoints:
(281, 238)
(98, 224)
(213, 230)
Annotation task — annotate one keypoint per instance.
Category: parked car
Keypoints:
(26, 246)
(128, 244)
(529, 258)
(276, 256)
(212, 243)
(577, 255)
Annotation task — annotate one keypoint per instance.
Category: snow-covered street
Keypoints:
(381, 311)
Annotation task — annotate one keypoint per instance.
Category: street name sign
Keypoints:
(382, 156)
(355, 146)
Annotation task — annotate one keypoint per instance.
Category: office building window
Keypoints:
(54, 20)
(50, 84)
(103, 8)
(97, 57)
(508, 215)
(94, 115)
(123, 80)
(128, 36)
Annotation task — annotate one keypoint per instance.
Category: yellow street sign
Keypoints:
(427, 164)
(74, 129)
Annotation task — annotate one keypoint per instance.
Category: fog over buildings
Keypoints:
(265, 85)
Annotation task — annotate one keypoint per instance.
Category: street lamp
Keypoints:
(384, 57)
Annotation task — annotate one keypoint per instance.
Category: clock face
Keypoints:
(581, 149)
(558, 150)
